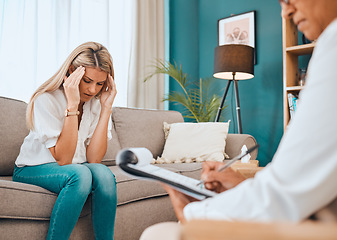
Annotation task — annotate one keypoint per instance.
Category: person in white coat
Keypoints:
(301, 178)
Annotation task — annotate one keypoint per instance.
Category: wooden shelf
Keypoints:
(301, 49)
(294, 88)
(291, 53)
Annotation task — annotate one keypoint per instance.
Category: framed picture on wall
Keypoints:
(238, 29)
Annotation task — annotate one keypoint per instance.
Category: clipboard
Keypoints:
(136, 162)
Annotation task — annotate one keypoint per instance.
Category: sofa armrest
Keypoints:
(235, 142)
(216, 230)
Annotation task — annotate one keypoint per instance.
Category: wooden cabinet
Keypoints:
(291, 52)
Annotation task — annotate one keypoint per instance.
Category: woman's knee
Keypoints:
(102, 177)
(101, 173)
(80, 177)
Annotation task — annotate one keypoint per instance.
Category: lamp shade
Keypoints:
(234, 58)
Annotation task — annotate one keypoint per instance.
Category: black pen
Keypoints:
(233, 160)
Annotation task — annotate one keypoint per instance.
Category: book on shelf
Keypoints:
(292, 103)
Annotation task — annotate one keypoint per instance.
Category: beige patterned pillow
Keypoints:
(194, 142)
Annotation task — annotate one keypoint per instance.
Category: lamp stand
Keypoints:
(237, 102)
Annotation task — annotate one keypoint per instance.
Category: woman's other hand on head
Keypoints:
(71, 88)
(109, 92)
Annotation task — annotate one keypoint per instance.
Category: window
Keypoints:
(36, 36)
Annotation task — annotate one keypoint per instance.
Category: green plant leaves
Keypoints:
(199, 104)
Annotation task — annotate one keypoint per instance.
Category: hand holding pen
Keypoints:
(215, 174)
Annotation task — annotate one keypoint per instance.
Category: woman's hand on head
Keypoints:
(109, 92)
(71, 88)
(219, 181)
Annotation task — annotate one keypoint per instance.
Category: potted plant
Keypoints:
(199, 105)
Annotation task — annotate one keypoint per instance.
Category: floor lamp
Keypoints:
(233, 62)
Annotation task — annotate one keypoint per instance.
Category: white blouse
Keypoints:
(301, 179)
(48, 121)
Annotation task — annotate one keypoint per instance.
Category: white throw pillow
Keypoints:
(194, 142)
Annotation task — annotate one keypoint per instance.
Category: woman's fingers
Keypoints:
(113, 86)
(80, 75)
(75, 77)
(71, 86)
(109, 93)
(110, 81)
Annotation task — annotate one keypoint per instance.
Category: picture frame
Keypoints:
(238, 29)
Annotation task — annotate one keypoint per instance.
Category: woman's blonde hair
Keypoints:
(90, 54)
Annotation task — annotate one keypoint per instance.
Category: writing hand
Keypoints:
(219, 181)
(71, 88)
(108, 93)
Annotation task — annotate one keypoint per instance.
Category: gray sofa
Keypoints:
(25, 209)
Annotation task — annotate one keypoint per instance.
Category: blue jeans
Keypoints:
(73, 183)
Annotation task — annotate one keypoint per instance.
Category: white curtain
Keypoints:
(36, 36)
(147, 46)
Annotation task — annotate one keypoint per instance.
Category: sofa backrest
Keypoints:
(143, 128)
(132, 127)
(12, 132)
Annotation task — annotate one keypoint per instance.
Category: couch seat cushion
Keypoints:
(26, 201)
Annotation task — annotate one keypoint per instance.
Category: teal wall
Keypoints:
(193, 37)
(184, 39)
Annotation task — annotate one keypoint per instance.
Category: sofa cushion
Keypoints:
(13, 131)
(143, 128)
(195, 142)
(15, 197)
